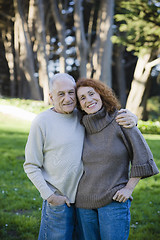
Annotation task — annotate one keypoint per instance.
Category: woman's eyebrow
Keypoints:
(90, 91)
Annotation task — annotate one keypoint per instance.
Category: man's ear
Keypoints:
(51, 98)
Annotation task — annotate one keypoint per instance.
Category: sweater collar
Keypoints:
(97, 121)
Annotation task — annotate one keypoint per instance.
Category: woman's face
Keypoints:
(90, 100)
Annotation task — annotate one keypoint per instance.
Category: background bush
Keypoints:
(149, 127)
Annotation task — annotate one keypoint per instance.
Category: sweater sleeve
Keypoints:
(34, 160)
(142, 163)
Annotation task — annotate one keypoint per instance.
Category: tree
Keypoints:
(94, 46)
(41, 51)
(60, 23)
(24, 54)
(140, 25)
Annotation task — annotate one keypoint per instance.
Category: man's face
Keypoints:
(63, 96)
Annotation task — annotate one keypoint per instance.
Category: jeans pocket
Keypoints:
(56, 207)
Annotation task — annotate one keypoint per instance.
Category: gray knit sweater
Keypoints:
(108, 151)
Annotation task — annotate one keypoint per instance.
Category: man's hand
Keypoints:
(57, 200)
(126, 118)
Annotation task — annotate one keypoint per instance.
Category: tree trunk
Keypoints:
(81, 42)
(8, 44)
(120, 74)
(102, 53)
(61, 30)
(18, 71)
(136, 101)
(106, 72)
(41, 53)
(26, 54)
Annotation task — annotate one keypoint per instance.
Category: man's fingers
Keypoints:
(122, 110)
(67, 202)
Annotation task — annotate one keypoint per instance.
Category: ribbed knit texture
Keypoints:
(108, 151)
(53, 153)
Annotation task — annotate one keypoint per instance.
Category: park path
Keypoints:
(17, 112)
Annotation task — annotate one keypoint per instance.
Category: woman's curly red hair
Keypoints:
(109, 100)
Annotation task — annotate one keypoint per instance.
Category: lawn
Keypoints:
(21, 203)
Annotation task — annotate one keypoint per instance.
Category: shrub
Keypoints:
(149, 127)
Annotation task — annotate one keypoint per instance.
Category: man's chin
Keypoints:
(68, 111)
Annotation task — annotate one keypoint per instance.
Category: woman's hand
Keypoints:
(124, 193)
(57, 200)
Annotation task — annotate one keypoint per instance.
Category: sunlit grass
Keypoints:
(28, 105)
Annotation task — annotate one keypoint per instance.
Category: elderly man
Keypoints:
(53, 158)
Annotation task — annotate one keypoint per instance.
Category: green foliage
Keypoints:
(149, 127)
(153, 108)
(139, 25)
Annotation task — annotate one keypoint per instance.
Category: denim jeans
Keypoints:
(57, 222)
(110, 222)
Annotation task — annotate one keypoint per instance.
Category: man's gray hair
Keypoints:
(59, 77)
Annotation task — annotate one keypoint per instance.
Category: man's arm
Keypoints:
(126, 118)
(34, 160)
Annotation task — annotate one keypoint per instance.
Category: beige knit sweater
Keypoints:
(53, 153)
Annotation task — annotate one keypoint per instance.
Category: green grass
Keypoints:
(145, 209)
(19, 200)
(21, 203)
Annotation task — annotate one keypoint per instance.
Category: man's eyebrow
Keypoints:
(60, 92)
(73, 89)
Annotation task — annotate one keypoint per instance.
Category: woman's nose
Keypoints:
(89, 98)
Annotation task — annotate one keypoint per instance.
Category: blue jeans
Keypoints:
(110, 222)
(57, 222)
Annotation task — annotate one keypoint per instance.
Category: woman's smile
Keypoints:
(89, 99)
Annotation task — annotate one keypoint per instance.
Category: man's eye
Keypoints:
(91, 94)
(61, 94)
(71, 93)
(82, 98)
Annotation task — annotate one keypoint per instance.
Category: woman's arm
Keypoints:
(123, 194)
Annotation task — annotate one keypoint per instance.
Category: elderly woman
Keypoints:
(114, 158)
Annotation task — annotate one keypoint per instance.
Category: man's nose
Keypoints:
(67, 97)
